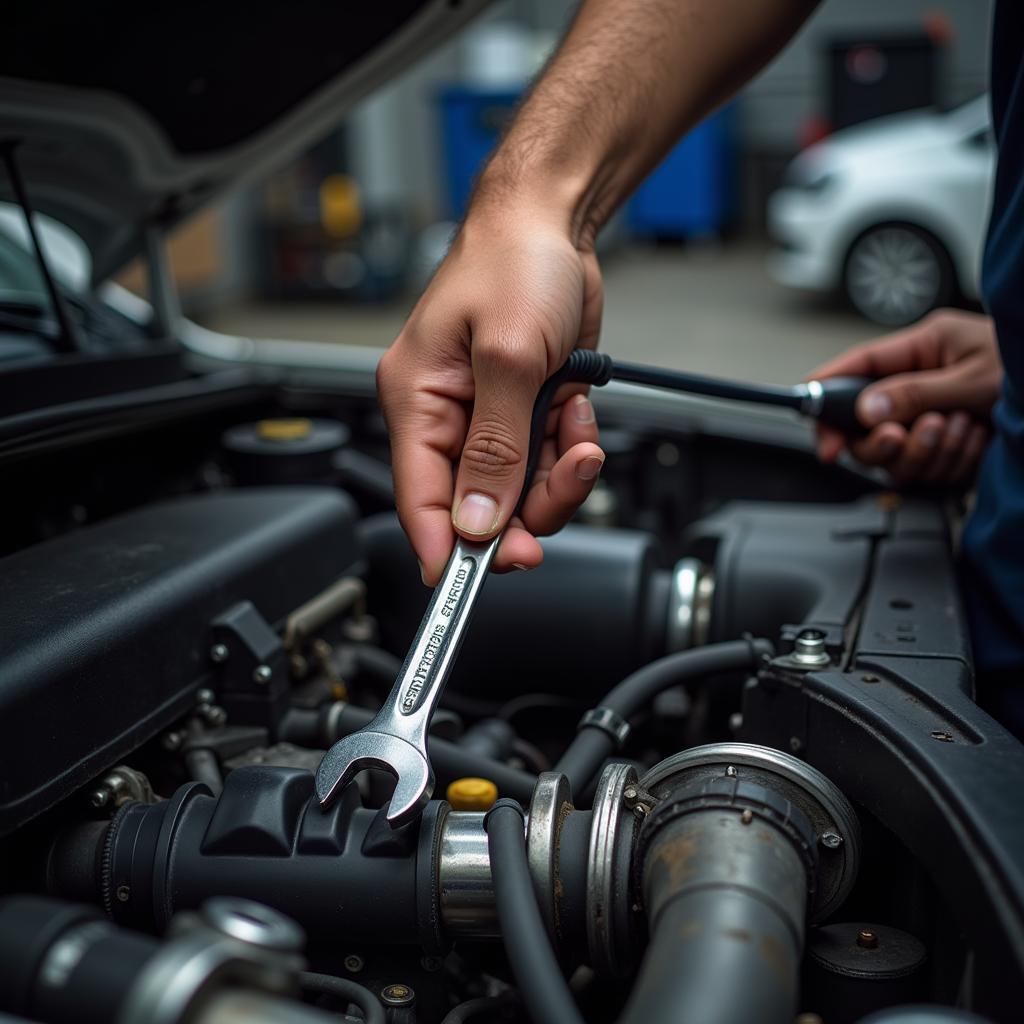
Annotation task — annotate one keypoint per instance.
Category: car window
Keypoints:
(66, 254)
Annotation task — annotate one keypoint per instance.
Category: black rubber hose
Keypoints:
(342, 988)
(490, 1005)
(541, 985)
(592, 745)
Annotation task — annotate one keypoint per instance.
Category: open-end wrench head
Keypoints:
(367, 749)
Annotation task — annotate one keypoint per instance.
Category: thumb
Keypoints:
(493, 462)
(905, 396)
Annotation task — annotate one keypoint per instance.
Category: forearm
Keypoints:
(629, 79)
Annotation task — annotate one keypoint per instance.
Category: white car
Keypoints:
(891, 212)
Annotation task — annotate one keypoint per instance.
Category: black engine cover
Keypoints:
(106, 631)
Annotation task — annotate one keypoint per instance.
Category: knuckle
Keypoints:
(509, 356)
(493, 454)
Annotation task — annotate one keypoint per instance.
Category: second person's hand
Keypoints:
(928, 412)
(457, 387)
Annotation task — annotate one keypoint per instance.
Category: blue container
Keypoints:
(693, 190)
(472, 121)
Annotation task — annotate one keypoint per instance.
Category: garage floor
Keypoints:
(705, 308)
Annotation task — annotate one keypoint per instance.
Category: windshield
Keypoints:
(21, 282)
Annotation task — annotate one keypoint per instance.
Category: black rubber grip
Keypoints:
(839, 404)
(584, 366)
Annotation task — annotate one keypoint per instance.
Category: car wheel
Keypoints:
(896, 273)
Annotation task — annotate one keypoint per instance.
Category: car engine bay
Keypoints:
(733, 710)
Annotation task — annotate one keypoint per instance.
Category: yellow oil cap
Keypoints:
(284, 430)
(471, 794)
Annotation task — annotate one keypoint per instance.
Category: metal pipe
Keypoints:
(726, 904)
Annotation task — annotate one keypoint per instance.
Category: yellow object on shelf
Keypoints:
(341, 212)
(471, 794)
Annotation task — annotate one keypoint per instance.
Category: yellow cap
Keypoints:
(284, 430)
(471, 794)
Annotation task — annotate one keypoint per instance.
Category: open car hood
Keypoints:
(126, 116)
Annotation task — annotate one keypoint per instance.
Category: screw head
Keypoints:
(262, 674)
(205, 696)
(731, 772)
(795, 744)
(809, 648)
(867, 939)
(630, 793)
(172, 741)
(747, 816)
(354, 963)
(219, 653)
(100, 797)
(431, 963)
(831, 840)
(397, 995)
(123, 893)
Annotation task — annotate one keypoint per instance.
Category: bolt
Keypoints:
(942, 736)
(747, 816)
(172, 741)
(219, 653)
(629, 794)
(262, 674)
(354, 963)
(831, 840)
(205, 696)
(100, 797)
(867, 939)
(809, 648)
(731, 772)
(397, 995)
(213, 714)
(123, 893)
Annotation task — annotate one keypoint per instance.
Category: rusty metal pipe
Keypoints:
(725, 890)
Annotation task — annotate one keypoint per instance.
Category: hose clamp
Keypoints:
(608, 721)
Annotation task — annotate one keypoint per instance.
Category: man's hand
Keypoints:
(929, 411)
(521, 286)
(508, 305)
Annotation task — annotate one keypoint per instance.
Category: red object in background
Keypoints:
(814, 129)
(938, 28)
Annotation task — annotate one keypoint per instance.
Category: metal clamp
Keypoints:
(608, 721)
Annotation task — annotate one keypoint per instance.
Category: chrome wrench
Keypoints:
(396, 739)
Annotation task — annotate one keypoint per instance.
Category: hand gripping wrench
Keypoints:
(396, 739)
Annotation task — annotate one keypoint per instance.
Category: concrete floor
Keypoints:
(708, 308)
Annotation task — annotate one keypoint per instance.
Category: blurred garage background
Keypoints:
(731, 259)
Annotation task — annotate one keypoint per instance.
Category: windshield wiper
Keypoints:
(69, 338)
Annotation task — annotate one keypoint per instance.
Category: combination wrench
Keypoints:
(396, 739)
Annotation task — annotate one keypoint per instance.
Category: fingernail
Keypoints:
(888, 448)
(929, 436)
(582, 410)
(477, 513)
(875, 408)
(519, 565)
(423, 573)
(588, 468)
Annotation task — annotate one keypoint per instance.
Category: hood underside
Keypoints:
(126, 116)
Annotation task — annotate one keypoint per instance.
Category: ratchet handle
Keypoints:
(833, 401)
